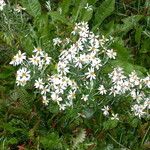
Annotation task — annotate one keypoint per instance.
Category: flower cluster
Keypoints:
(2, 4)
(133, 86)
(78, 74)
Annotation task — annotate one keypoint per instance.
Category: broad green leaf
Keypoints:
(105, 10)
(128, 24)
(33, 7)
(87, 15)
(65, 6)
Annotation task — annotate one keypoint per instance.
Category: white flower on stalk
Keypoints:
(85, 97)
(39, 84)
(114, 117)
(90, 74)
(88, 7)
(2, 4)
(23, 75)
(102, 90)
(18, 58)
(106, 110)
(57, 41)
(111, 54)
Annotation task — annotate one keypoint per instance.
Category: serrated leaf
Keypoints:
(105, 9)
(33, 7)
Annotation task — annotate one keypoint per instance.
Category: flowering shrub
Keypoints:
(79, 76)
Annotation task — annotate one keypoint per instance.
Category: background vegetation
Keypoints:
(25, 122)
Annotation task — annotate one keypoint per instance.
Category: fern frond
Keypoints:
(79, 139)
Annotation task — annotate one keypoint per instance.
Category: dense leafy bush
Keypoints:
(74, 74)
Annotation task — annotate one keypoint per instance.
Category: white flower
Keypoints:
(47, 59)
(134, 79)
(85, 97)
(71, 95)
(102, 90)
(114, 117)
(62, 68)
(138, 110)
(39, 83)
(23, 75)
(45, 100)
(2, 4)
(55, 97)
(57, 41)
(111, 54)
(38, 51)
(147, 81)
(105, 110)
(91, 74)
(18, 8)
(45, 89)
(35, 60)
(18, 58)
(88, 7)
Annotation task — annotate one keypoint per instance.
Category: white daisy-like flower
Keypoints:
(35, 60)
(23, 75)
(18, 58)
(18, 8)
(45, 89)
(88, 7)
(45, 100)
(138, 110)
(111, 54)
(39, 84)
(85, 97)
(57, 41)
(90, 74)
(38, 51)
(114, 117)
(105, 110)
(102, 90)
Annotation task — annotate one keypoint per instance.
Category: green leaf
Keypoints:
(128, 24)
(7, 73)
(87, 15)
(56, 16)
(105, 10)
(138, 34)
(110, 124)
(65, 6)
(33, 7)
